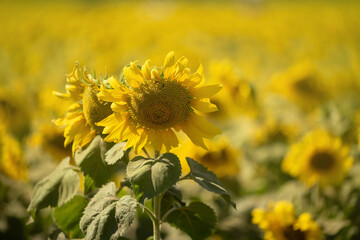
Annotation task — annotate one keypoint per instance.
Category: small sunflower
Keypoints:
(86, 110)
(151, 104)
(318, 157)
(280, 223)
(220, 158)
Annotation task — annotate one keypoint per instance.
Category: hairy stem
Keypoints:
(157, 221)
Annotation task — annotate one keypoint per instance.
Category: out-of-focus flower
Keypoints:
(86, 110)
(318, 158)
(152, 103)
(300, 84)
(237, 96)
(273, 130)
(220, 158)
(279, 222)
(12, 161)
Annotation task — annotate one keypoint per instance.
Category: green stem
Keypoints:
(157, 221)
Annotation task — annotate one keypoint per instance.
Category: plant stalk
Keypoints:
(157, 220)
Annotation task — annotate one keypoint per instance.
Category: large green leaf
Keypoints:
(67, 217)
(107, 216)
(208, 180)
(197, 220)
(117, 153)
(92, 161)
(57, 188)
(150, 177)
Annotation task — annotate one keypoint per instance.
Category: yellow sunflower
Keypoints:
(152, 103)
(318, 157)
(12, 161)
(86, 110)
(220, 158)
(280, 223)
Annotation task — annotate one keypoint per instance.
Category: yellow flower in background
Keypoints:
(274, 130)
(220, 158)
(86, 110)
(318, 158)
(300, 84)
(12, 161)
(279, 222)
(51, 139)
(237, 95)
(154, 103)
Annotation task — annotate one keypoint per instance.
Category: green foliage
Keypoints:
(117, 153)
(67, 216)
(150, 177)
(92, 161)
(107, 216)
(197, 220)
(208, 180)
(57, 188)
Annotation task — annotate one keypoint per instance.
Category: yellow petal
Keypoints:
(155, 75)
(145, 69)
(133, 75)
(204, 105)
(205, 91)
(169, 62)
(204, 126)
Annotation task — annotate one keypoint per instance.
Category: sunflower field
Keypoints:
(177, 120)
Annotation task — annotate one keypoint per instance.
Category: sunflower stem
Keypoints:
(157, 214)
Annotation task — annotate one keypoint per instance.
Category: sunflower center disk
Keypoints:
(160, 105)
(94, 111)
(322, 161)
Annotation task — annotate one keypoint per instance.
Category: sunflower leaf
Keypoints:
(92, 161)
(208, 180)
(57, 188)
(107, 216)
(197, 220)
(117, 153)
(151, 177)
(67, 217)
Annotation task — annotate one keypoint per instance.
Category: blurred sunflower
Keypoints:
(237, 95)
(300, 84)
(151, 104)
(12, 162)
(220, 158)
(86, 110)
(318, 157)
(280, 223)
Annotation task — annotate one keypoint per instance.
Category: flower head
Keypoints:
(152, 103)
(86, 110)
(318, 157)
(280, 223)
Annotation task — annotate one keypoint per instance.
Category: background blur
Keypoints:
(286, 66)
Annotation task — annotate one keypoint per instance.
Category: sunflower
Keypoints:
(300, 84)
(318, 157)
(221, 158)
(86, 110)
(152, 103)
(280, 223)
(12, 161)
